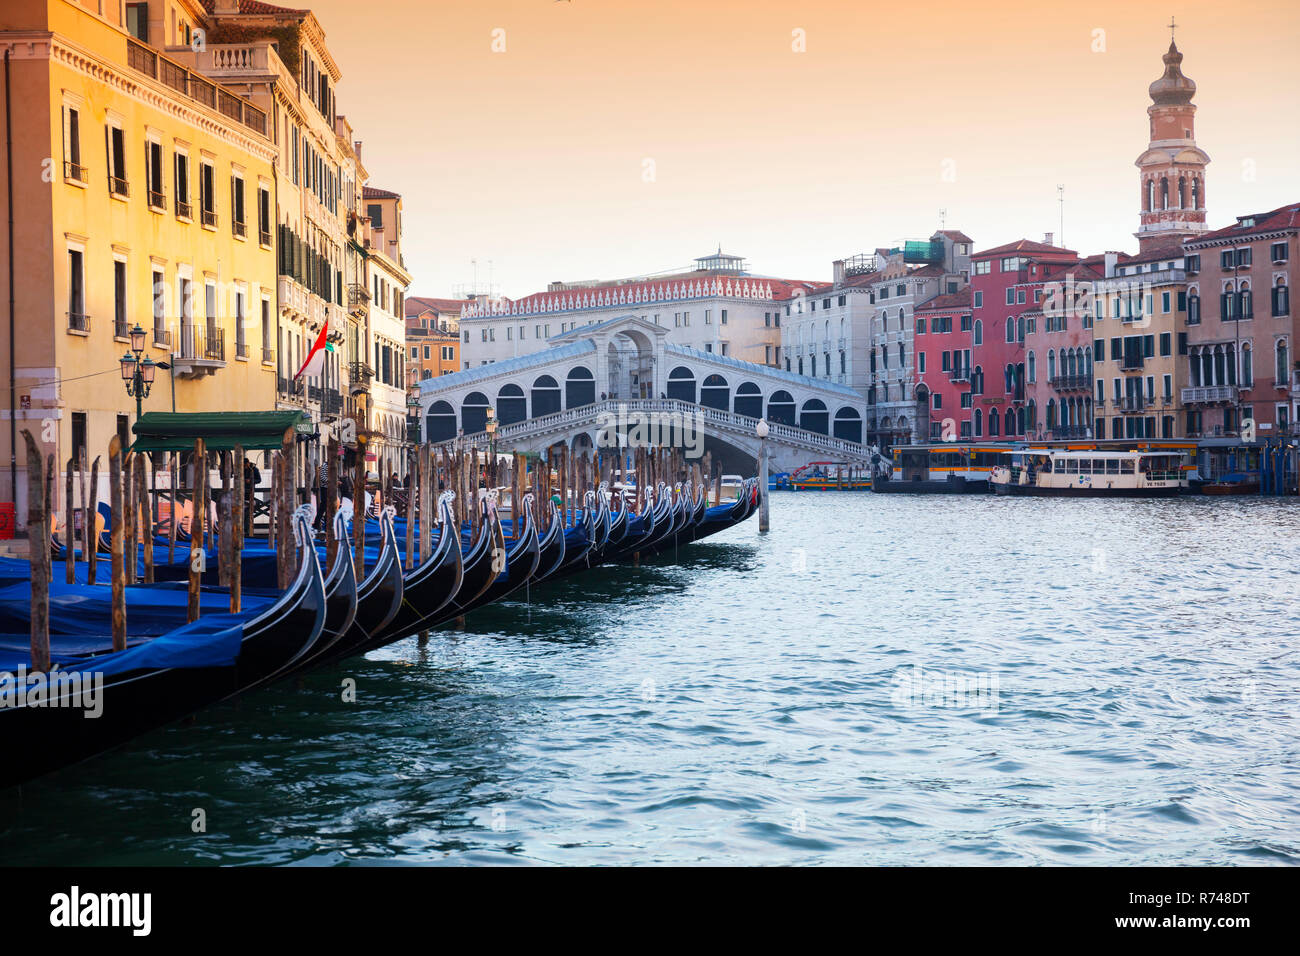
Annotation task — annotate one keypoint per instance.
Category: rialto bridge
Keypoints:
(621, 373)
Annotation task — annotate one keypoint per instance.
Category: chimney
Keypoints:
(1112, 258)
(838, 267)
(1047, 239)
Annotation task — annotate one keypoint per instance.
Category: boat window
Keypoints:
(1085, 466)
(1072, 466)
(1112, 466)
(1126, 466)
(1060, 466)
(1099, 466)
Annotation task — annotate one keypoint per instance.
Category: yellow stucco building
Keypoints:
(142, 194)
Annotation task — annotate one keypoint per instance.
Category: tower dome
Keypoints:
(1172, 89)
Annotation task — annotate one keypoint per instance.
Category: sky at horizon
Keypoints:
(598, 139)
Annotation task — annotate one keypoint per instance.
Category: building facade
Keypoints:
(716, 307)
(432, 337)
(389, 281)
(142, 196)
(943, 345)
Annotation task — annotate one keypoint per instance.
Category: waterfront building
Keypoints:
(717, 306)
(142, 194)
(280, 57)
(432, 337)
(1008, 286)
(389, 281)
(1240, 367)
(895, 281)
(1140, 313)
(943, 346)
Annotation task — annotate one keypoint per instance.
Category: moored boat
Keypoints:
(1089, 473)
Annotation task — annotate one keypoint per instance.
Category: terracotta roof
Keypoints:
(415, 304)
(956, 235)
(947, 302)
(374, 192)
(253, 7)
(1025, 246)
(1166, 250)
(1284, 217)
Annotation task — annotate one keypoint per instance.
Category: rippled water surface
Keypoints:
(1133, 673)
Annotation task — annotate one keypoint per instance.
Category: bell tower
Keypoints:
(1172, 169)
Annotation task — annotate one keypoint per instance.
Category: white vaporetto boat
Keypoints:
(1087, 473)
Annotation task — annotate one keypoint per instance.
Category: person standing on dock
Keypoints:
(251, 478)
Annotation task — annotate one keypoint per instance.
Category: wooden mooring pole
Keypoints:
(37, 534)
(118, 537)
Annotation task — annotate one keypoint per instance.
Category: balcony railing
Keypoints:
(959, 374)
(1069, 431)
(157, 199)
(210, 217)
(264, 236)
(241, 350)
(239, 228)
(268, 355)
(332, 402)
(171, 74)
(78, 322)
(358, 297)
(162, 337)
(1209, 394)
(74, 171)
(1071, 383)
(360, 374)
(1132, 403)
(119, 186)
(202, 343)
(1131, 362)
(184, 209)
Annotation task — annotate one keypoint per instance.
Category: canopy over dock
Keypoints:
(220, 431)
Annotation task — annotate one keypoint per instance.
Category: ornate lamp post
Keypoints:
(138, 374)
(761, 429)
(413, 417)
(491, 428)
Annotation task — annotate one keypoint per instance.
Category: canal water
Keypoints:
(880, 680)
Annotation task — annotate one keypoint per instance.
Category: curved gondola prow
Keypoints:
(298, 613)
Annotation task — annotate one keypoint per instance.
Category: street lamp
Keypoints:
(413, 417)
(137, 374)
(491, 428)
(761, 429)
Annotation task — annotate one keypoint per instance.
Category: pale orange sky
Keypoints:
(533, 158)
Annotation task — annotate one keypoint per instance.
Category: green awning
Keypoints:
(220, 431)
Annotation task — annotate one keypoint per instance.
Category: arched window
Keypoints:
(1281, 298)
(1033, 369)
(1164, 192)
(473, 413)
(1197, 201)
(579, 387)
(1182, 192)
(715, 393)
(1006, 375)
(1051, 364)
(749, 400)
(977, 381)
(848, 424)
(1010, 423)
(979, 423)
(681, 384)
(1247, 367)
(1020, 329)
(1051, 413)
(979, 332)
(1020, 421)
(993, 423)
(511, 405)
(1151, 195)
(1011, 329)
(780, 407)
(1282, 364)
(545, 396)
(813, 416)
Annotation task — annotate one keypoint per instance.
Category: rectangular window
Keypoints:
(72, 168)
(77, 318)
(979, 298)
(117, 184)
(154, 174)
(266, 330)
(137, 21)
(208, 194)
(237, 223)
(241, 342)
(119, 298)
(159, 307)
(1011, 296)
(1279, 252)
(183, 208)
(1166, 344)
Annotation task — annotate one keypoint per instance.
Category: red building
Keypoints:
(942, 351)
(1007, 289)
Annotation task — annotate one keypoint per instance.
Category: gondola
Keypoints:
(520, 562)
(481, 570)
(428, 588)
(157, 681)
(379, 599)
(554, 545)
